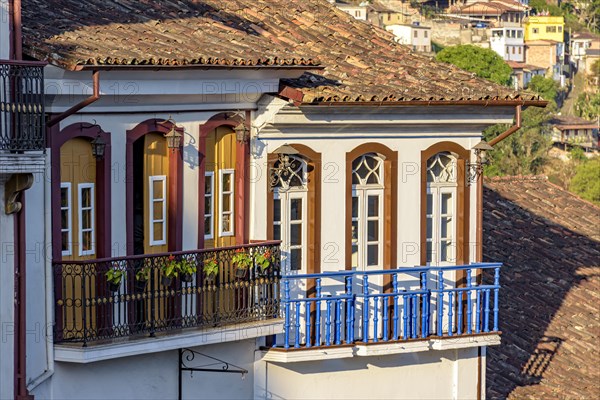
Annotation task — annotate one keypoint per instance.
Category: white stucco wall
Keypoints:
(428, 375)
(4, 30)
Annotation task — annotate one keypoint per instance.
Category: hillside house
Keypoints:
(415, 36)
(226, 197)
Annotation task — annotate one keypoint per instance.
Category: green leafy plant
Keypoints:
(186, 267)
(143, 274)
(114, 275)
(171, 268)
(242, 259)
(263, 259)
(211, 267)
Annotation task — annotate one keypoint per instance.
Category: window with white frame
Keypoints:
(157, 215)
(290, 213)
(66, 219)
(86, 211)
(441, 209)
(226, 202)
(367, 211)
(209, 202)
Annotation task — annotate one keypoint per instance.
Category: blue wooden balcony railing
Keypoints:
(403, 304)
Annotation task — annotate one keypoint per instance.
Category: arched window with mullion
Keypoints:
(367, 211)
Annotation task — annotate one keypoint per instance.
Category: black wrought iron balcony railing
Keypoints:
(22, 124)
(142, 295)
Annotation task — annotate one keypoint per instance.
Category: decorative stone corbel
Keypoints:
(14, 186)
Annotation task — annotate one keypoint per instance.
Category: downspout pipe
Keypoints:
(16, 43)
(93, 98)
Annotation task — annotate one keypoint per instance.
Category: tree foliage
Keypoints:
(586, 182)
(545, 87)
(588, 106)
(485, 63)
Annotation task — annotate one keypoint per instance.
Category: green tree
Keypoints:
(545, 87)
(588, 106)
(586, 182)
(485, 63)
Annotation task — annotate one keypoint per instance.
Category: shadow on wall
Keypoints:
(543, 264)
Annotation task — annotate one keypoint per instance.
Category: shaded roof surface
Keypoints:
(362, 62)
(570, 122)
(549, 241)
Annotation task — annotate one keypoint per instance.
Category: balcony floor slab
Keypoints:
(192, 337)
(26, 163)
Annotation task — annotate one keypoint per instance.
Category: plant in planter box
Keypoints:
(263, 259)
(114, 276)
(187, 269)
(169, 271)
(242, 261)
(143, 273)
(211, 268)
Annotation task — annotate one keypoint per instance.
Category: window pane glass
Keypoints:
(355, 231)
(86, 219)
(373, 206)
(87, 241)
(295, 259)
(446, 227)
(65, 241)
(157, 187)
(373, 230)
(157, 210)
(429, 228)
(208, 185)
(86, 200)
(446, 203)
(429, 204)
(64, 197)
(226, 202)
(429, 250)
(207, 205)
(207, 225)
(295, 209)
(444, 251)
(372, 254)
(276, 232)
(276, 210)
(373, 178)
(355, 256)
(295, 234)
(354, 207)
(226, 223)
(226, 182)
(158, 231)
(355, 180)
(64, 216)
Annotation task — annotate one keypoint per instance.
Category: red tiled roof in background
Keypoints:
(549, 242)
(362, 62)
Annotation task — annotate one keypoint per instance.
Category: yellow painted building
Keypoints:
(541, 27)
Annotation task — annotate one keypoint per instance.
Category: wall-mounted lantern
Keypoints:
(173, 137)
(242, 133)
(98, 147)
(475, 170)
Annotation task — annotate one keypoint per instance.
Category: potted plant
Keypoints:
(143, 273)
(263, 260)
(242, 261)
(114, 276)
(170, 270)
(211, 268)
(187, 269)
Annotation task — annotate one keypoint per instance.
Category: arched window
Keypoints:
(441, 209)
(290, 216)
(367, 211)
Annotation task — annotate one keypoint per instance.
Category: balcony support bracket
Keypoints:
(16, 184)
(209, 364)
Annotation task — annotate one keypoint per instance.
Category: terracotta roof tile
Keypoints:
(549, 241)
(362, 62)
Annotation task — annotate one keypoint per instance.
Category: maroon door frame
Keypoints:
(242, 181)
(174, 178)
(56, 138)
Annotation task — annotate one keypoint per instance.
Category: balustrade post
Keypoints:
(318, 314)
(496, 292)
(440, 302)
(395, 299)
(84, 305)
(349, 307)
(286, 307)
(423, 304)
(365, 308)
(469, 304)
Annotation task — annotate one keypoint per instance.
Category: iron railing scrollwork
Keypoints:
(88, 307)
(22, 124)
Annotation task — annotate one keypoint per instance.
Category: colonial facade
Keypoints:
(227, 198)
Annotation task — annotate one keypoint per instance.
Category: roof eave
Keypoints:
(194, 67)
(486, 103)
